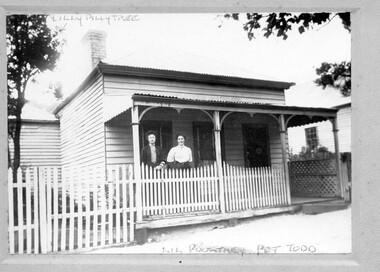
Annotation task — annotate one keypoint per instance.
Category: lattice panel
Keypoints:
(313, 167)
(313, 178)
(324, 186)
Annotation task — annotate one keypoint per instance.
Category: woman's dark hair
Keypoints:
(180, 134)
(150, 132)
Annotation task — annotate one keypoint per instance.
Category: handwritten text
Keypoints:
(81, 19)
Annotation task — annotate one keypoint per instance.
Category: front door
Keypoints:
(256, 145)
(203, 143)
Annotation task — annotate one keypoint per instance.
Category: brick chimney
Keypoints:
(94, 47)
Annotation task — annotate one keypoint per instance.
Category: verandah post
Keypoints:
(136, 161)
(218, 154)
(285, 156)
(337, 157)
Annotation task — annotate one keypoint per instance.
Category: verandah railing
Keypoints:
(250, 188)
(90, 211)
(173, 191)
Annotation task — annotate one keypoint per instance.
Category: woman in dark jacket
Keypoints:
(151, 154)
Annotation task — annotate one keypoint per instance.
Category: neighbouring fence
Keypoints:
(51, 215)
(92, 211)
(316, 178)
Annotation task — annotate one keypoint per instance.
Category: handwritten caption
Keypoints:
(83, 18)
(291, 248)
(260, 249)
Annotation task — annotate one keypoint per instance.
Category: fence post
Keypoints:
(42, 215)
(35, 212)
(20, 217)
(28, 212)
(10, 212)
(131, 204)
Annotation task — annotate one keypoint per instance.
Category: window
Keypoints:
(311, 137)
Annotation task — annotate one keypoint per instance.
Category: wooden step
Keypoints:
(317, 208)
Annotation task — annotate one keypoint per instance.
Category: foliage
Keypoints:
(279, 24)
(335, 74)
(306, 153)
(32, 47)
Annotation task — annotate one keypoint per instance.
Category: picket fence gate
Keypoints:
(54, 213)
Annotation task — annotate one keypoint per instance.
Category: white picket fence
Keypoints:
(250, 188)
(90, 211)
(51, 215)
(173, 191)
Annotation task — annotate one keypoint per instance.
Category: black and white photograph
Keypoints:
(180, 133)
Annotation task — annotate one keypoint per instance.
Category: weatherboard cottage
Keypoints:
(235, 126)
(229, 122)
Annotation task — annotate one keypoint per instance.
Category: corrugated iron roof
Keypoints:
(193, 76)
(145, 97)
(171, 58)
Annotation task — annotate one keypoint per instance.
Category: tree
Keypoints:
(32, 47)
(337, 75)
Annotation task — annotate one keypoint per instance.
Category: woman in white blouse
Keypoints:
(180, 156)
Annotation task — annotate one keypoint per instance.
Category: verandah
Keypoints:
(51, 215)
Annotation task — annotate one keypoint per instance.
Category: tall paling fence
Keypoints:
(179, 191)
(252, 188)
(53, 214)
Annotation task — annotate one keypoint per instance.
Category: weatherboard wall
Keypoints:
(39, 144)
(82, 132)
(116, 84)
(233, 137)
(344, 126)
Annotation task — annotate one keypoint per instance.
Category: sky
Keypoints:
(206, 37)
